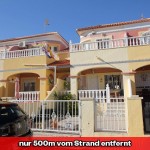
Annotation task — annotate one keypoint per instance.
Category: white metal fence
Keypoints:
(61, 116)
(110, 116)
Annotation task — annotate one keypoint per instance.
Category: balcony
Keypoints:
(109, 44)
(21, 53)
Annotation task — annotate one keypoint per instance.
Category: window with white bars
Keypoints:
(146, 36)
(114, 81)
(103, 43)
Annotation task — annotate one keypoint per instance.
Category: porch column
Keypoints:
(43, 88)
(2, 90)
(7, 89)
(74, 86)
(129, 84)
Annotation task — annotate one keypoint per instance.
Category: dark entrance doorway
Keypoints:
(146, 109)
(143, 90)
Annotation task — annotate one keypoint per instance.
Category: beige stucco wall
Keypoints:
(63, 55)
(138, 53)
(98, 56)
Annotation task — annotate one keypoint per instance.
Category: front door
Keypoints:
(92, 82)
(146, 109)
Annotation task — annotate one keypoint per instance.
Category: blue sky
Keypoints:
(26, 17)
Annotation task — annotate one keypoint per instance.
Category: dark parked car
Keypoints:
(13, 120)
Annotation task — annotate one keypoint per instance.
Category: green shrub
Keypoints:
(64, 106)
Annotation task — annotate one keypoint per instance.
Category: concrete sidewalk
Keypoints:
(53, 134)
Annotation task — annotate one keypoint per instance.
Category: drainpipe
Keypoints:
(54, 67)
(54, 75)
(129, 88)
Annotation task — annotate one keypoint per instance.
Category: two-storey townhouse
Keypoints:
(30, 65)
(116, 54)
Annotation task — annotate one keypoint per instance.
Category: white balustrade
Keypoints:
(107, 44)
(92, 94)
(34, 95)
(21, 53)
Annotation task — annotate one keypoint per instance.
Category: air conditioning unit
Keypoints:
(92, 33)
(22, 44)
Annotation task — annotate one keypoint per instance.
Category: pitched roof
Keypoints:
(33, 36)
(115, 24)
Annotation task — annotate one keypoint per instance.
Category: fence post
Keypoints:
(107, 93)
(43, 113)
(87, 119)
(135, 116)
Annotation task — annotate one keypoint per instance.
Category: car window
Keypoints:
(9, 113)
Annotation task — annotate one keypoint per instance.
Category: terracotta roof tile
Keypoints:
(63, 50)
(33, 36)
(114, 24)
(60, 63)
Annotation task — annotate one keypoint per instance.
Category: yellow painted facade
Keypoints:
(31, 69)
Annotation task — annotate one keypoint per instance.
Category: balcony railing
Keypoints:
(95, 94)
(108, 44)
(21, 53)
(91, 93)
(34, 95)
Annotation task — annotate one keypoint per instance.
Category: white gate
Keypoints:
(110, 116)
(61, 116)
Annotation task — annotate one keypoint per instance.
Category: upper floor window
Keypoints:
(146, 39)
(86, 45)
(103, 43)
(54, 48)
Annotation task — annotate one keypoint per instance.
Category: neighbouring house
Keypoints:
(28, 59)
(116, 54)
